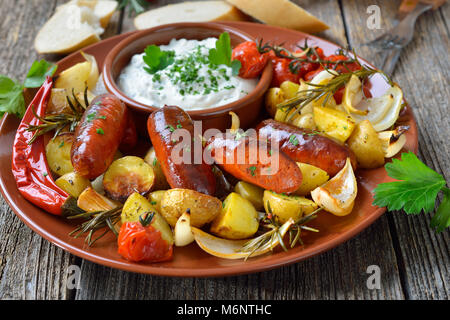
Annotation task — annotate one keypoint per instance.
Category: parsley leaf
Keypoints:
(222, 54)
(11, 97)
(441, 219)
(416, 192)
(156, 59)
(38, 72)
(11, 92)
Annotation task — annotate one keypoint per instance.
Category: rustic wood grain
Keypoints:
(30, 267)
(336, 274)
(423, 73)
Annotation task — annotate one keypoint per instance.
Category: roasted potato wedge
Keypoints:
(305, 121)
(367, 146)
(238, 219)
(136, 205)
(289, 89)
(203, 208)
(334, 123)
(75, 78)
(312, 178)
(57, 152)
(58, 102)
(274, 96)
(252, 193)
(92, 201)
(286, 207)
(73, 183)
(160, 179)
(155, 198)
(127, 175)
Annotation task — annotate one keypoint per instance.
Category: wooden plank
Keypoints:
(336, 274)
(423, 73)
(30, 267)
(327, 10)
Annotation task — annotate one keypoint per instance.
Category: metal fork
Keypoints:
(394, 40)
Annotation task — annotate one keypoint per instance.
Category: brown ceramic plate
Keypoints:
(191, 261)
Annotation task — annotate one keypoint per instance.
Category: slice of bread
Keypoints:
(190, 11)
(282, 13)
(103, 9)
(74, 25)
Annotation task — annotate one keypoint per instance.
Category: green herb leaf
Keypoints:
(252, 170)
(293, 139)
(38, 73)
(136, 6)
(222, 54)
(91, 116)
(441, 219)
(416, 192)
(100, 131)
(11, 97)
(156, 59)
(235, 67)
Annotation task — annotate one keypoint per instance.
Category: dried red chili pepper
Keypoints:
(29, 164)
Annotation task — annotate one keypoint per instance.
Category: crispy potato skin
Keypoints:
(98, 136)
(126, 176)
(287, 178)
(57, 152)
(203, 208)
(136, 205)
(198, 177)
(238, 219)
(160, 178)
(286, 207)
(366, 145)
(311, 148)
(73, 184)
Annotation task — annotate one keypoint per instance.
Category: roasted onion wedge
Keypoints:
(233, 249)
(338, 195)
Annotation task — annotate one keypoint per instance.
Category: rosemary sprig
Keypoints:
(272, 223)
(96, 221)
(60, 121)
(327, 90)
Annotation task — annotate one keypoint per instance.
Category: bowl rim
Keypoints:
(111, 85)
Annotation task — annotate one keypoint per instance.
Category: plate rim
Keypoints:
(153, 269)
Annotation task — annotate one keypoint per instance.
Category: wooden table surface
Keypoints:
(413, 260)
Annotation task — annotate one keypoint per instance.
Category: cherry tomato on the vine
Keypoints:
(252, 61)
(139, 241)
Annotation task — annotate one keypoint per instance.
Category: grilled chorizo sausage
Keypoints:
(98, 135)
(129, 139)
(179, 174)
(243, 158)
(305, 146)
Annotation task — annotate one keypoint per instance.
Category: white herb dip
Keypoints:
(190, 82)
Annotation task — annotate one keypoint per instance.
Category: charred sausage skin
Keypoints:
(282, 177)
(305, 146)
(161, 124)
(98, 135)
